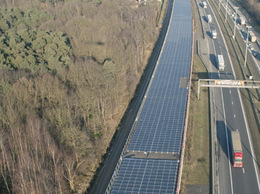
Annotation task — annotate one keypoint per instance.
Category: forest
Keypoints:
(252, 7)
(68, 69)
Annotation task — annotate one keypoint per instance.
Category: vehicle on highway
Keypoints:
(241, 20)
(252, 36)
(209, 18)
(237, 152)
(214, 33)
(204, 4)
(220, 62)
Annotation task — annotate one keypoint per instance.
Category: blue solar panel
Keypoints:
(146, 176)
(160, 125)
(161, 122)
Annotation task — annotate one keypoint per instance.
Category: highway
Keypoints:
(228, 114)
(242, 31)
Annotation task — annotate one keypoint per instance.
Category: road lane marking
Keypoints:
(234, 116)
(243, 170)
(223, 104)
(230, 91)
(232, 102)
(227, 142)
(243, 111)
(249, 138)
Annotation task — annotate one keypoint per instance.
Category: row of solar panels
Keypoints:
(146, 176)
(160, 126)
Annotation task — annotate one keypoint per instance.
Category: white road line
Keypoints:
(228, 149)
(230, 91)
(249, 138)
(234, 116)
(232, 102)
(243, 170)
(230, 173)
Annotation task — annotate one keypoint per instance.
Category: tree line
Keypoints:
(68, 69)
(253, 8)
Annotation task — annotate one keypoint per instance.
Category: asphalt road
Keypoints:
(229, 115)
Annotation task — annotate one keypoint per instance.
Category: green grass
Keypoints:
(196, 169)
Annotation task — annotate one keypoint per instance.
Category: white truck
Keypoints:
(214, 33)
(252, 36)
(220, 63)
(209, 18)
(242, 20)
(204, 4)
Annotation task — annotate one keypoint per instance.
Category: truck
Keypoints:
(237, 152)
(214, 33)
(220, 63)
(209, 18)
(242, 20)
(252, 36)
(204, 4)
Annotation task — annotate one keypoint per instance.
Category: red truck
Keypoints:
(237, 152)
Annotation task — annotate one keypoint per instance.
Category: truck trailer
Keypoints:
(242, 20)
(209, 18)
(220, 62)
(237, 152)
(204, 4)
(252, 36)
(214, 33)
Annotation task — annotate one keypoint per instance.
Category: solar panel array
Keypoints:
(160, 126)
(146, 176)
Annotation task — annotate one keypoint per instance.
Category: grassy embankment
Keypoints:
(196, 169)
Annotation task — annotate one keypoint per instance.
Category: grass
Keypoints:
(196, 169)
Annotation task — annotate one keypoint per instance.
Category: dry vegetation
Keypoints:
(68, 69)
(252, 7)
(196, 170)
